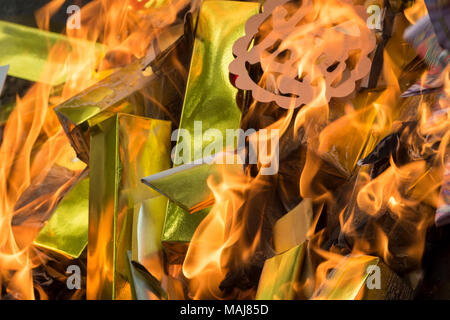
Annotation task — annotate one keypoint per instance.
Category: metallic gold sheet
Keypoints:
(66, 232)
(186, 185)
(342, 152)
(107, 97)
(209, 97)
(144, 286)
(26, 50)
(347, 279)
(280, 274)
(124, 148)
(354, 278)
(148, 222)
(291, 229)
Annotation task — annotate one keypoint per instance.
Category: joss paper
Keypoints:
(124, 148)
(209, 98)
(67, 230)
(26, 51)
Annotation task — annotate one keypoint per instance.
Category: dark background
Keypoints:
(22, 12)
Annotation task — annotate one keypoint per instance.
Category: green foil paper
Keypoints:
(26, 50)
(209, 98)
(186, 185)
(66, 232)
(124, 148)
(280, 274)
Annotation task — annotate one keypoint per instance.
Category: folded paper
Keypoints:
(344, 154)
(66, 232)
(26, 50)
(186, 185)
(362, 277)
(386, 20)
(291, 230)
(107, 97)
(124, 148)
(423, 38)
(209, 98)
(144, 286)
(280, 275)
(148, 222)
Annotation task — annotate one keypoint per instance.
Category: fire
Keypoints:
(326, 57)
(340, 132)
(210, 247)
(417, 11)
(34, 142)
(212, 254)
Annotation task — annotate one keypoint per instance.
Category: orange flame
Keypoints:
(34, 142)
(209, 250)
(338, 133)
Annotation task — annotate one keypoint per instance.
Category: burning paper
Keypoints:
(186, 185)
(291, 230)
(281, 274)
(67, 230)
(26, 50)
(355, 200)
(363, 277)
(123, 148)
(209, 98)
(106, 98)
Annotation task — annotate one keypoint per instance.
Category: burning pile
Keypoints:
(223, 149)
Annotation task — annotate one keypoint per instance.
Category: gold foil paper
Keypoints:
(144, 286)
(186, 185)
(148, 222)
(107, 97)
(362, 277)
(280, 275)
(291, 229)
(209, 98)
(342, 152)
(347, 279)
(124, 148)
(66, 232)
